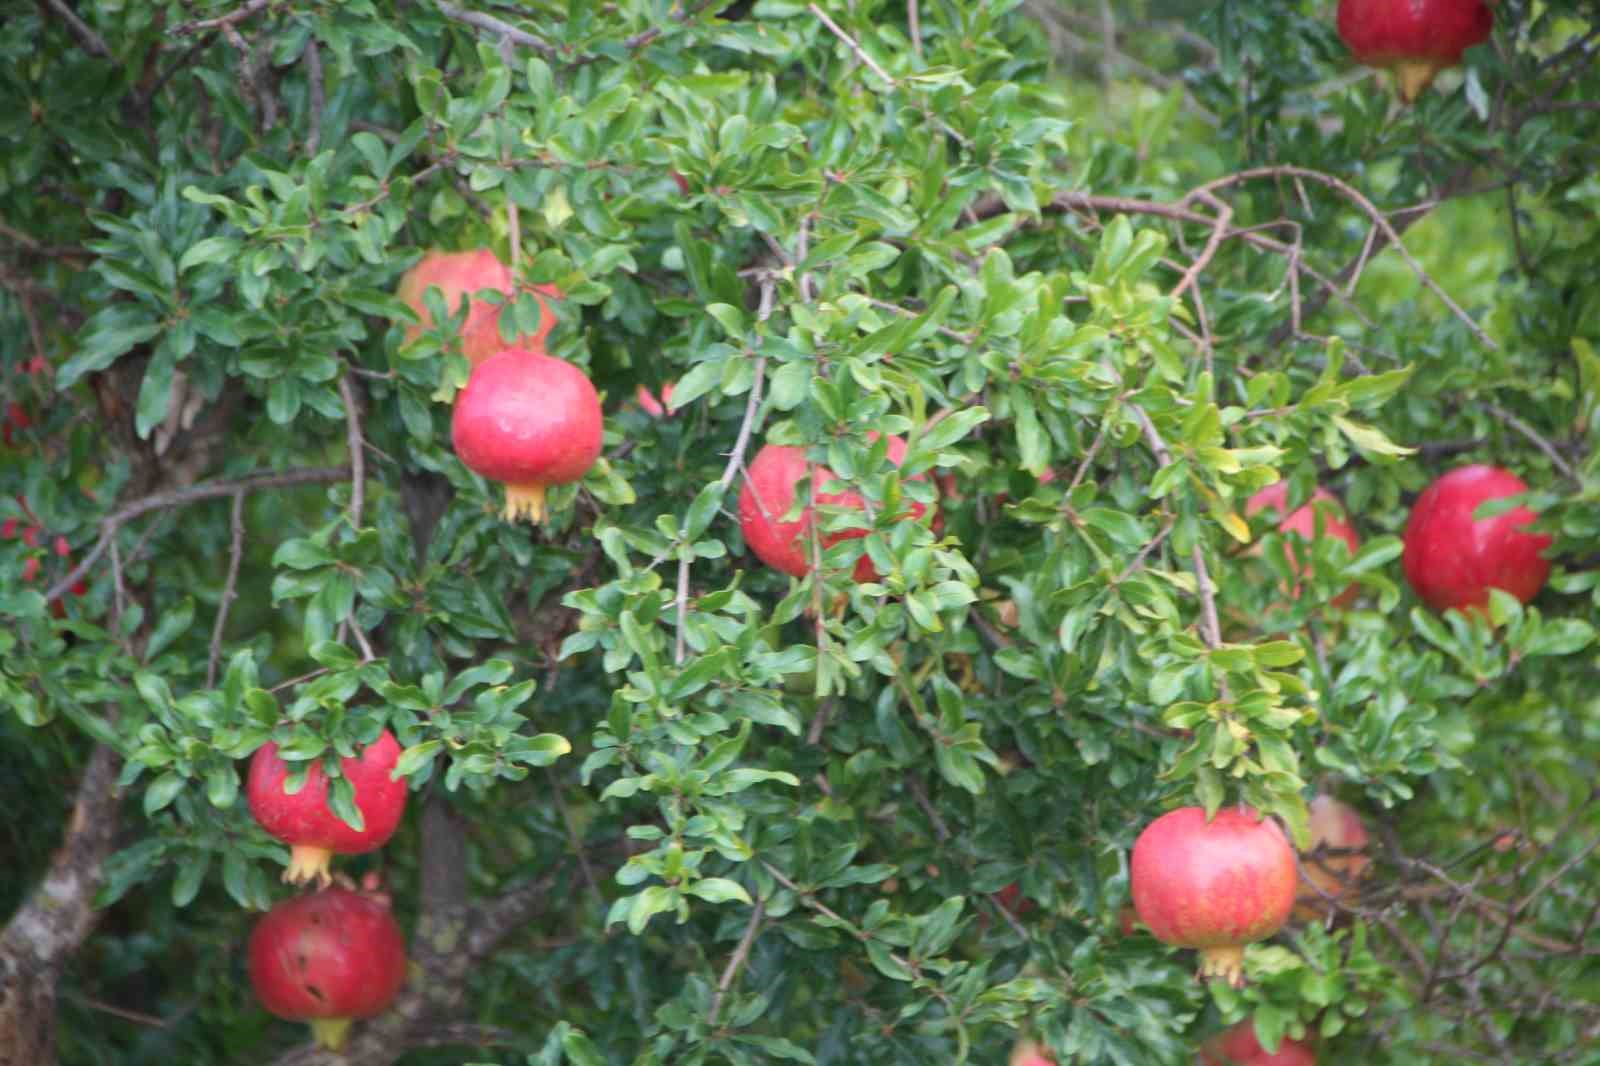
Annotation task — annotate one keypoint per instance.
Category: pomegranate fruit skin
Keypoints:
(1453, 560)
(1303, 521)
(529, 420)
(1336, 825)
(303, 820)
(1414, 38)
(769, 492)
(329, 956)
(459, 274)
(1215, 886)
(1028, 1053)
(1238, 1046)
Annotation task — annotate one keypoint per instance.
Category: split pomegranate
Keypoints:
(1324, 877)
(1238, 1046)
(305, 822)
(459, 274)
(328, 958)
(769, 492)
(1215, 886)
(1303, 521)
(1416, 39)
(528, 420)
(1452, 559)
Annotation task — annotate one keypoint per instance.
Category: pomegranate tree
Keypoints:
(769, 492)
(1302, 521)
(1239, 1046)
(1213, 885)
(1452, 559)
(459, 274)
(529, 420)
(328, 958)
(304, 821)
(1333, 825)
(1415, 39)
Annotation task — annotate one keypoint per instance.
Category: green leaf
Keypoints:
(719, 890)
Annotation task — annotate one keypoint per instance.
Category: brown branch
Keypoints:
(183, 497)
(222, 22)
(229, 588)
(91, 41)
(740, 954)
(505, 30)
(318, 97)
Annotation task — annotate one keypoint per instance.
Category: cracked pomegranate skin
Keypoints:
(769, 492)
(304, 819)
(330, 954)
(1453, 560)
(525, 417)
(1415, 38)
(1217, 884)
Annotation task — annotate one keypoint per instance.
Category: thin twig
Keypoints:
(496, 26)
(183, 497)
(318, 97)
(91, 41)
(358, 459)
(740, 954)
(849, 41)
(237, 15)
(1539, 441)
(1210, 627)
(229, 587)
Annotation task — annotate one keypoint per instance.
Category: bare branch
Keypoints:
(229, 587)
(222, 22)
(183, 497)
(850, 42)
(92, 42)
(503, 29)
(740, 954)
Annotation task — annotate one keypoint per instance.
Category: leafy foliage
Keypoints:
(1107, 281)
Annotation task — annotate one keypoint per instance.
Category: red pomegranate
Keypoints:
(1303, 521)
(459, 274)
(328, 958)
(1333, 825)
(529, 420)
(1216, 885)
(1238, 1046)
(1452, 559)
(1414, 38)
(769, 492)
(304, 821)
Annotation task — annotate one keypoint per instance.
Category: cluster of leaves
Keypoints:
(780, 810)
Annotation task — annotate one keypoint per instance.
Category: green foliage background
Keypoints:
(771, 815)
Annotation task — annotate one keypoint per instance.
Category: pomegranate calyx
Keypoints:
(307, 862)
(1413, 76)
(1225, 963)
(330, 1032)
(525, 501)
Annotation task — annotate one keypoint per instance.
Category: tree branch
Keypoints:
(92, 42)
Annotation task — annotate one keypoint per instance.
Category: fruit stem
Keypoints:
(330, 1032)
(525, 500)
(308, 862)
(1226, 962)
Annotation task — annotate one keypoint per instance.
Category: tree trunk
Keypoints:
(55, 919)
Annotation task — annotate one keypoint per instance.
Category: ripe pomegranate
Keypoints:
(769, 492)
(1029, 1053)
(461, 274)
(1333, 825)
(328, 958)
(528, 420)
(1453, 560)
(1238, 1046)
(1303, 522)
(1416, 39)
(304, 821)
(1216, 885)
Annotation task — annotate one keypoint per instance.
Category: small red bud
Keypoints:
(30, 568)
(62, 548)
(30, 536)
